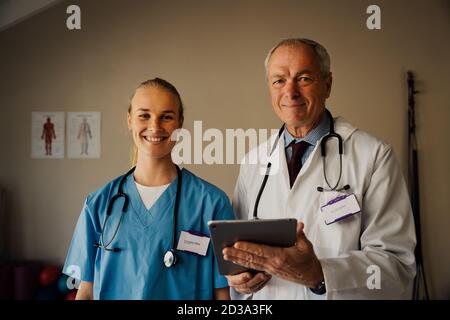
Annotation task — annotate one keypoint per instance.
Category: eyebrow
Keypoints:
(304, 71)
(147, 110)
(278, 75)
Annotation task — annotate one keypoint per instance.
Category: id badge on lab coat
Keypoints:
(339, 208)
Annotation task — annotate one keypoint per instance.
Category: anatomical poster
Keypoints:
(47, 135)
(83, 135)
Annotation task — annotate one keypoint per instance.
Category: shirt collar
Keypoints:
(313, 136)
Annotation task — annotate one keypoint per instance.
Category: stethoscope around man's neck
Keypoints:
(323, 144)
(170, 257)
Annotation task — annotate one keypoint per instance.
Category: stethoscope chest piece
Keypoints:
(170, 258)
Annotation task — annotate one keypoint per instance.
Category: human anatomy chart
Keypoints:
(83, 135)
(47, 135)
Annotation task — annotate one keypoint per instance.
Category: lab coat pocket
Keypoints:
(336, 238)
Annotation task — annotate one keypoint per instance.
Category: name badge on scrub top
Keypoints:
(191, 242)
(340, 208)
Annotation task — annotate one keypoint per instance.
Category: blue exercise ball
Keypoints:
(62, 284)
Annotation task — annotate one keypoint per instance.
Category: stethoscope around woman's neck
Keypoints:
(323, 144)
(170, 257)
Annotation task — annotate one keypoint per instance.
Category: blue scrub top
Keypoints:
(144, 236)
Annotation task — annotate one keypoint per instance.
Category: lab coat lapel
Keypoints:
(275, 193)
(281, 172)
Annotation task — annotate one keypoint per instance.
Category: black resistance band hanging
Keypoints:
(413, 171)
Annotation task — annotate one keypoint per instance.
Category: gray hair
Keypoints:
(320, 52)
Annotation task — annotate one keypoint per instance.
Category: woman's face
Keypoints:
(154, 115)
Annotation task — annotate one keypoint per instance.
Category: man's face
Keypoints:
(297, 88)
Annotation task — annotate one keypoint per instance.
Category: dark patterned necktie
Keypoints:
(294, 166)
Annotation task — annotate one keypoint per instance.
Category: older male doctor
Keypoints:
(355, 237)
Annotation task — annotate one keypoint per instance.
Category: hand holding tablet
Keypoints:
(273, 232)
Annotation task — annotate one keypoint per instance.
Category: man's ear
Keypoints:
(328, 83)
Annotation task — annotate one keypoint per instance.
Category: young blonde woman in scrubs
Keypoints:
(131, 255)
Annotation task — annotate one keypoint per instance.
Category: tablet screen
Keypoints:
(273, 232)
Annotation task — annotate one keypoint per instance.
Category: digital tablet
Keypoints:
(273, 232)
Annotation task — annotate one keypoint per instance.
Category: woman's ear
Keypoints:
(129, 121)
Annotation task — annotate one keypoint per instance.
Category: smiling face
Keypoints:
(297, 88)
(154, 115)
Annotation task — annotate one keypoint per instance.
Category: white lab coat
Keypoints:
(382, 234)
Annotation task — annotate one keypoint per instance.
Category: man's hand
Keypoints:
(248, 283)
(298, 263)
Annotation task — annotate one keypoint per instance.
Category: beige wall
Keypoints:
(13, 12)
(213, 52)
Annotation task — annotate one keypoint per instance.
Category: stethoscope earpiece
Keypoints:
(344, 188)
(98, 245)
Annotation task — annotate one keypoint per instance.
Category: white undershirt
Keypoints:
(150, 195)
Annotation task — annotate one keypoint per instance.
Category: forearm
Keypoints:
(85, 291)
